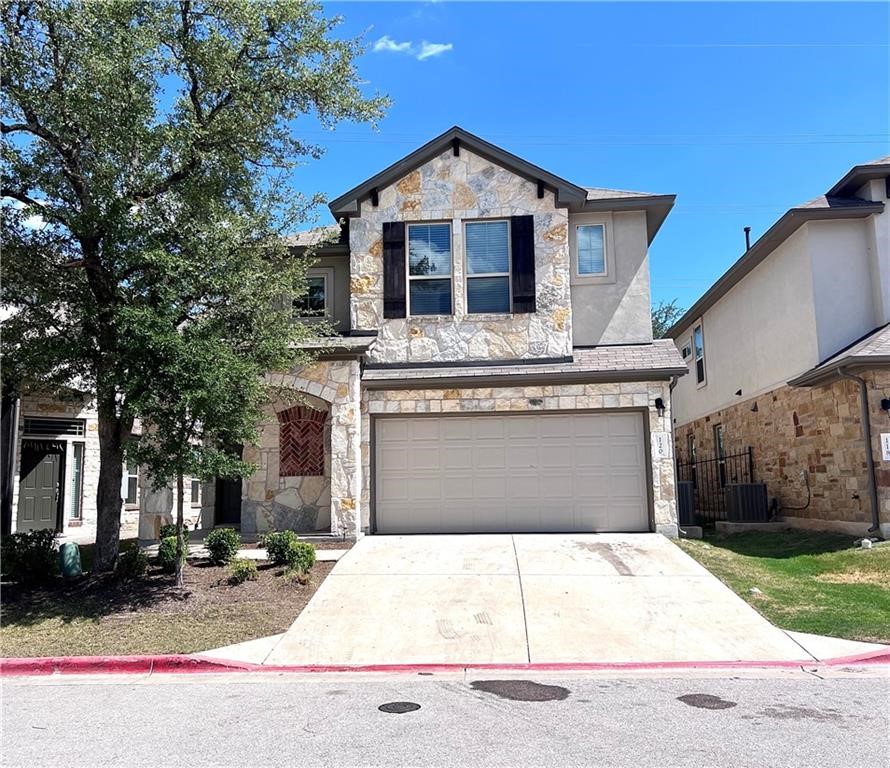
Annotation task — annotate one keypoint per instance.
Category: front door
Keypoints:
(228, 502)
(40, 491)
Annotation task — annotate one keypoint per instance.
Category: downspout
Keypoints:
(869, 457)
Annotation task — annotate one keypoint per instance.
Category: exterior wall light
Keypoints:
(659, 406)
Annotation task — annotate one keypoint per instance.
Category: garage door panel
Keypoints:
(510, 472)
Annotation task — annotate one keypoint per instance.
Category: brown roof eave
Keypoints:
(816, 376)
(524, 379)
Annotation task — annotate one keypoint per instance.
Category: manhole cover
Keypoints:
(521, 690)
(399, 707)
(705, 701)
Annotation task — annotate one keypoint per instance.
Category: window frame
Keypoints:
(75, 508)
(587, 220)
(192, 501)
(131, 475)
(466, 266)
(699, 383)
(327, 274)
(409, 277)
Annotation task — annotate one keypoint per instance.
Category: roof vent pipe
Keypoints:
(747, 238)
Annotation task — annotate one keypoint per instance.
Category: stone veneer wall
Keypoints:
(816, 429)
(271, 502)
(523, 399)
(456, 189)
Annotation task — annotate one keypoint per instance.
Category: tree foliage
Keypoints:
(664, 315)
(148, 159)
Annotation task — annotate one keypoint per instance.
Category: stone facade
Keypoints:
(523, 399)
(328, 502)
(816, 429)
(458, 189)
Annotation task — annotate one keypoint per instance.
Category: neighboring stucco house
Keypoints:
(495, 368)
(773, 348)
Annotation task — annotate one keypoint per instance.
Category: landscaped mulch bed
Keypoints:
(99, 615)
(804, 580)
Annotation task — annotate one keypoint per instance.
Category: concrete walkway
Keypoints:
(527, 598)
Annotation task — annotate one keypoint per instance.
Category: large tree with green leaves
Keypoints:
(148, 165)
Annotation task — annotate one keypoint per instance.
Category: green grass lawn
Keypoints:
(810, 582)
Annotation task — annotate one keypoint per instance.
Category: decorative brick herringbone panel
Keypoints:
(301, 441)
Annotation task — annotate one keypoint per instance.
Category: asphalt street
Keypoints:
(781, 719)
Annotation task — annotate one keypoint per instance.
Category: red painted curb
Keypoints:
(180, 664)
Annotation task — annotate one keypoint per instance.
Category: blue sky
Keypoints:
(741, 110)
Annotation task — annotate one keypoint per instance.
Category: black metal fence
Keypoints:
(709, 478)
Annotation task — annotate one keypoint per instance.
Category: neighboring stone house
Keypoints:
(494, 369)
(772, 347)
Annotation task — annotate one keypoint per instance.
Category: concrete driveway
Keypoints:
(526, 598)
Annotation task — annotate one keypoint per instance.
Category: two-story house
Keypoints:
(496, 369)
(789, 353)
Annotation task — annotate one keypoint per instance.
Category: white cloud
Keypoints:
(426, 50)
(386, 43)
(34, 221)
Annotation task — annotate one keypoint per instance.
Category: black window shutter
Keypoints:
(522, 242)
(394, 269)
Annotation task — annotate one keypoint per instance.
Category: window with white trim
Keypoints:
(429, 269)
(590, 241)
(698, 348)
(487, 245)
(317, 300)
(76, 481)
(131, 484)
(196, 492)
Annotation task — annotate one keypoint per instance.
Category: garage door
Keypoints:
(535, 472)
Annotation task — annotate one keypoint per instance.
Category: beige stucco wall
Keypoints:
(614, 309)
(756, 337)
(523, 399)
(457, 189)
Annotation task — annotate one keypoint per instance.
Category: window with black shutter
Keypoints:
(522, 254)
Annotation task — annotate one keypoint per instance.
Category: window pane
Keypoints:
(76, 481)
(488, 294)
(429, 249)
(196, 491)
(487, 249)
(313, 303)
(591, 255)
(431, 297)
(700, 371)
(699, 342)
(131, 490)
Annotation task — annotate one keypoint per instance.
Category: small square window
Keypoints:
(591, 249)
(488, 266)
(314, 303)
(687, 351)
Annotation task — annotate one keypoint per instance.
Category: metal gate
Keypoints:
(709, 478)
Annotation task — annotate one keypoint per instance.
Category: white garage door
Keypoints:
(535, 472)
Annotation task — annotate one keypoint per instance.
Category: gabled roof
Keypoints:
(829, 206)
(859, 174)
(568, 195)
(871, 351)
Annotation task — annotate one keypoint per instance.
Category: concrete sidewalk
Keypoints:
(528, 598)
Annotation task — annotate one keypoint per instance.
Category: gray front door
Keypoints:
(40, 491)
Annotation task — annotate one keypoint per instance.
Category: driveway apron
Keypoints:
(520, 598)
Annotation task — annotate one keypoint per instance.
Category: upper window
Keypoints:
(698, 346)
(591, 244)
(429, 269)
(316, 301)
(687, 351)
(488, 266)
(131, 484)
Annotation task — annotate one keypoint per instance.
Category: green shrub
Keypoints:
(167, 530)
(30, 556)
(242, 570)
(300, 556)
(167, 554)
(223, 544)
(132, 563)
(277, 544)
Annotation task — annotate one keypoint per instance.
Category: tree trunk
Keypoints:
(108, 497)
(179, 532)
